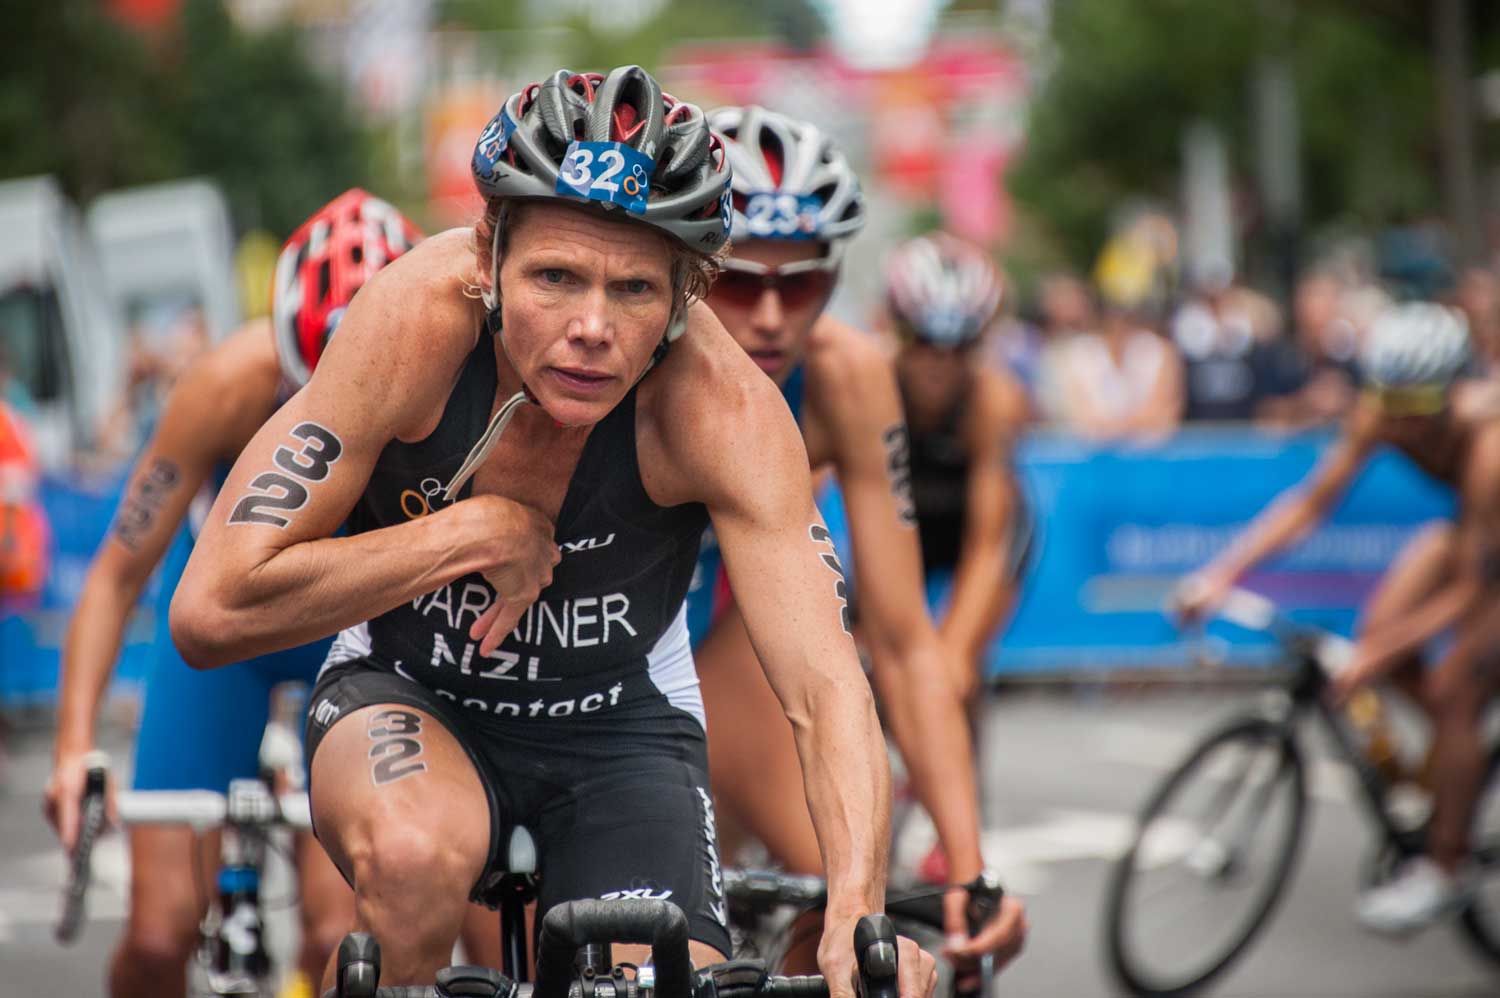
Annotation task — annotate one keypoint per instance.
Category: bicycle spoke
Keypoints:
(1209, 860)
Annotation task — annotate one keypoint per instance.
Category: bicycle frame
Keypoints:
(246, 814)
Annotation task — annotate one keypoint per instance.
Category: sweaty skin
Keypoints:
(1445, 579)
(982, 594)
(583, 298)
(851, 402)
(213, 410)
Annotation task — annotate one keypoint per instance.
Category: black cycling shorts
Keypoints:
(629, 815)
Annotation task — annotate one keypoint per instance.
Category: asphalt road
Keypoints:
(1063, 772)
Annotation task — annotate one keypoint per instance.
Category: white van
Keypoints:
(60, 335)
(167, 248)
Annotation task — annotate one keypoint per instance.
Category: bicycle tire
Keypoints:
(1480, 921)
(1251, 736)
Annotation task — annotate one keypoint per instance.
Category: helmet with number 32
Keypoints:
(616, 140)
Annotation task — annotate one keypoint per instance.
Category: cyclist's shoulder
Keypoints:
(705, 400)
(851, 376)
(229, 389)
(998, 404)
(432, 286)
(407, 334)
(839, 353)
(1483, 457)
(1365, 426)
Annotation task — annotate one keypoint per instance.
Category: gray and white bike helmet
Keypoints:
(613, 141)
(1418, 346)
(942, 291)
(790, 180)
(522, 152)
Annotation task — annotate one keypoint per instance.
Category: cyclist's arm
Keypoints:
(197, 428)
(979, 582)
(856, 397)
(1299, 509)
(266, 574)
(192, 435)
(720, 434)
(1478, 563)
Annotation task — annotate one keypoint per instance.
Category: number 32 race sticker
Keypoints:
(611, 172)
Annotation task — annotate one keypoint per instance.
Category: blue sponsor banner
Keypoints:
(79, 510)
(1119, 526)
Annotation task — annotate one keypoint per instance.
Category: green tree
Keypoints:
(79, 99)
(274, 130)
(586, 46)
(100, 107)
(1130, 77)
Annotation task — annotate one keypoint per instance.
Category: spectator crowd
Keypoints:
(1140, 346)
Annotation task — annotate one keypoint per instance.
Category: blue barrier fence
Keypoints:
(80, 510)
(1118, 526)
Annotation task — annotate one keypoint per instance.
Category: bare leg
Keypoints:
(167, 901)
(1424, 564)
(1460, 689)
(327, 906)
(411, 831)
(480, 936)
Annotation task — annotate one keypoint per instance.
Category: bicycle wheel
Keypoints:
(1211, 852)
(1481, 920)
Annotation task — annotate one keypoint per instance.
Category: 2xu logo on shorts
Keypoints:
(325, 713)
(636, 894)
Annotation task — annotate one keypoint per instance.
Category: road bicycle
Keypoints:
(574, 960)
(1216, 842)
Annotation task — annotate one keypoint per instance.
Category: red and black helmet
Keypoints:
(320, 268)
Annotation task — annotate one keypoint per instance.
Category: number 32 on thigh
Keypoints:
(397, 744)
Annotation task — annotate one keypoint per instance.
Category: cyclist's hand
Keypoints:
(1002, 936)
(525, 554)
(916, 969)
(63, 794)
(1197, 596)
(1361, 670)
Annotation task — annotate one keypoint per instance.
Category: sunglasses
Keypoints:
(1414, 400)
(742, 282)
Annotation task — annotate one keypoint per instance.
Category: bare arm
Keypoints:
(1478, 531)
(195, 431)
(980, 589)
(266, 573)
(862, 408)
(1293, 513)
(718, 432)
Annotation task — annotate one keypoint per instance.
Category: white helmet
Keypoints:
(1418, 345)
(790, 181)
(941, 290)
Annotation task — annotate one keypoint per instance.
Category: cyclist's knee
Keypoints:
(156, 949)
(323, 931)
(1454, 693)
(419, 875)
